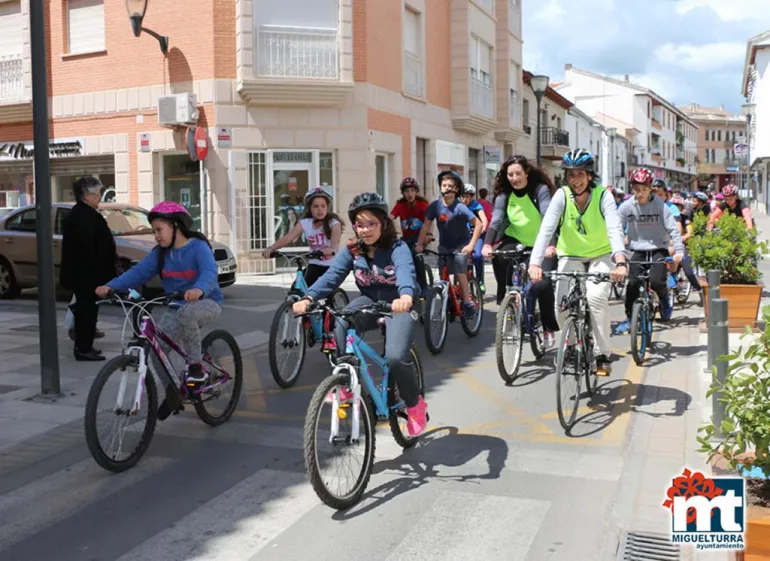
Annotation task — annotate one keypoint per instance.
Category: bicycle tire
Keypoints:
(566, 416)
(429, 276)
(310, 452)
(638, 323)
(478, 298)
(92, 433)
(434, 301)
(682, 295)
(339, 299)
(592, 379)
(536, 335)
(394, 415)
(237, 374)
(271, 349)
(509, 313)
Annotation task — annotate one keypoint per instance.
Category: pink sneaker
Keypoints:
(416, 418)
(345, 395)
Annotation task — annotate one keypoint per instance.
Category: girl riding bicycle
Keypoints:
(185, 262)
(322, 229)
(521, 198)
(384, 270)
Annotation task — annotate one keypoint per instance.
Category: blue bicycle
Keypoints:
(349, 423)
(643, 310)
(516, 317)
(291, 335)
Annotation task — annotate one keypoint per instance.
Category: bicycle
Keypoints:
(440, 314)
(288, 332)
(645, 306)
(681, 288)
(576, 344)
(134, 362)
(350, 377)
(619, 290)
(516, 316)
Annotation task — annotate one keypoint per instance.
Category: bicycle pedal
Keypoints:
(181, 408)
(603, 371)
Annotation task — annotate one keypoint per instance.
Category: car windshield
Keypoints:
(127, 221)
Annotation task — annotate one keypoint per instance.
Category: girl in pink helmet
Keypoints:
(185, 262)
(732, 204)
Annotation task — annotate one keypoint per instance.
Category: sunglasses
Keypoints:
(580, 226)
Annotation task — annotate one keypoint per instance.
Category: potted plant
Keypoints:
(744, 444)
(735, 253)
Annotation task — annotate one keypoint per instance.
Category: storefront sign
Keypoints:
(493, 154)
(293, 157)
(144, 142)
(224, 138)
(64, 148)
(741, 149)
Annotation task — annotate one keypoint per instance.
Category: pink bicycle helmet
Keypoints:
(719, 196)
(729, 190)
(677, 200)
(173, 212)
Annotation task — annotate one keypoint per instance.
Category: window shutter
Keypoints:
(10, 29)
(86, 26)
(411, 32)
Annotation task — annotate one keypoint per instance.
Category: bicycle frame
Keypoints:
(518, 267)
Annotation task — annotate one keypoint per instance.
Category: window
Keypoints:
(412, 53)
(23, 222)
(10, 29)
(708, 160)
(713, 156)
(514, 111)
(473, 167)
(85, 26)
(181, 184)
(525, 116)
(381, 174)
(719, 135)
(487, 5)
(513, 17)
(482, 96)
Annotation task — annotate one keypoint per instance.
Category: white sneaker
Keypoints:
(548, 340)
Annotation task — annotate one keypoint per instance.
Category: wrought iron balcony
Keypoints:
(11, 79)
(297, 52)
(551, 136)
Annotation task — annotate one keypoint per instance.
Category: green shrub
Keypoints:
(728, 248)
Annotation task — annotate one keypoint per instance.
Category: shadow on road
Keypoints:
(439, 450)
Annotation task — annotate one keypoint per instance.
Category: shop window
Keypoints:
(181, 184)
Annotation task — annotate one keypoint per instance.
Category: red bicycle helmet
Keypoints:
(409, 183)
(729, 190)
(171, 211)
(641, 176)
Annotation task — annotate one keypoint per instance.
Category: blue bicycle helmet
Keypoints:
(578, 159)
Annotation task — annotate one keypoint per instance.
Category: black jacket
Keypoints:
(89, 258)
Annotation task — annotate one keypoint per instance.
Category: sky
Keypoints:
(688, 51)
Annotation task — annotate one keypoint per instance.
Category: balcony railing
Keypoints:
(482, 98)
(413, 74)
(514, 111)
(11, 78)
(551, 136)
(297, 52)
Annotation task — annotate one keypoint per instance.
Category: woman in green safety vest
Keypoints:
(590, 236)
(521, 198)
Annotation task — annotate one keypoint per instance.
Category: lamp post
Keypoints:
(136, 10)
(539, 86)
(46, 284)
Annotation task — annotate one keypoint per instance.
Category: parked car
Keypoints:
(129, 225)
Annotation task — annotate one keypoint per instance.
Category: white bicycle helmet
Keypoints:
(469, 189)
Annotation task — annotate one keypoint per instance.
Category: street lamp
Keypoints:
(539, 86)
(136, 10)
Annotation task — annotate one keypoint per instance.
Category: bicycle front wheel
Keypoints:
(508, 337)
(472, 325)
(435, 321)
(222, 359)
(286, 349)
(113, 451)
(639, 339)
(324, 427)
(569, 370)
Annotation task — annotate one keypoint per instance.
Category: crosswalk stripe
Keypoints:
(236, 524)
(41, 504)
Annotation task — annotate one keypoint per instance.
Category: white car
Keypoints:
(129, 225)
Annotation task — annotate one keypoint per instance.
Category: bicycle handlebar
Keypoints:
(380, 308)
(596, 277)
(650, 263)
(442, 253)
(297, 258)
(133, 297)
(520, 251)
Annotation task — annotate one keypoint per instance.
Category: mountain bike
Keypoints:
(575, 358)
(445, 303)
(136, 390)
(643, 311)
(517, 316)
(351, 419)
(289, 333)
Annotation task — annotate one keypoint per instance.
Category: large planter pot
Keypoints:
(743, 302)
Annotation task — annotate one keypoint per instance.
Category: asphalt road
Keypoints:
(495, 476)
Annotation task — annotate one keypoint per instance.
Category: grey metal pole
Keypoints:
(714, 281)
(46, 284)
(721, 345)
(539, 139)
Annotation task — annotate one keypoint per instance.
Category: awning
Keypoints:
(65, 166)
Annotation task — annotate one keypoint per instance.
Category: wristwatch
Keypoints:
(622, 264)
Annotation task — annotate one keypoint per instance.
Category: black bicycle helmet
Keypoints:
(578, 158)
(459, 183)
(367, 201)
(409, 183)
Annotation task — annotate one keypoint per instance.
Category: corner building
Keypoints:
(349, 94)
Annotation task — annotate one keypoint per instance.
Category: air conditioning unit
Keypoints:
(177, 109)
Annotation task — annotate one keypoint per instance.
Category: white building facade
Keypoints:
(756, 89)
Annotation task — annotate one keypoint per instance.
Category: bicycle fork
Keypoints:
(355, 388)
(142, 371)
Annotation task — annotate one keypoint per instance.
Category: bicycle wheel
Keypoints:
(339, 299)
(120, 414)
(429, 275)
(536, 336)
(638, 332)
(287, 333)
(472, 325)
(217, 405)
(683, 288)
(397, 415)
(508, 337)
(589, 363)
(315, 466)
(568, 374)
(436, 321)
